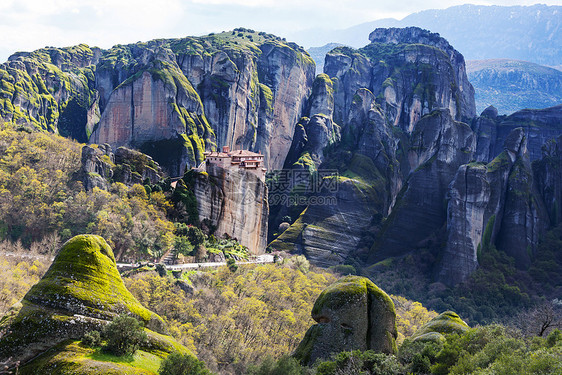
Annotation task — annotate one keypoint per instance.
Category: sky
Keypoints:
(26, 25)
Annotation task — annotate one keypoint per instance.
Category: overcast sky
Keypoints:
(30, 24)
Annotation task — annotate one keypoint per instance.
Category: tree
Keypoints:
(540, 320)
(183, 246)
(124, 335)
(182, 364)
(231, 264)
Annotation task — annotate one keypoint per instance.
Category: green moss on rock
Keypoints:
(81, 291)
(443, 324)
(353, 314)
(84, 279)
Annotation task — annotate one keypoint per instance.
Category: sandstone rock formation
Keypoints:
(96, 169)
(548, 175)
(233, 202)
(439, 145)
(540, 125)
(81, 291)
(352, 314)
(493, 205)
(412, 70)
(172, 99)
(100, 166)
(418, 161)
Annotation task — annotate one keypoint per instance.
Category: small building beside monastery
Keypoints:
(237, 159)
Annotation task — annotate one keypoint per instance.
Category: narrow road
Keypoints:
(260, 259)
(28, 256)
(265, 258)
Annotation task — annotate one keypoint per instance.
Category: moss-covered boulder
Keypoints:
(81, 291)
(352, 314)
(436, 328)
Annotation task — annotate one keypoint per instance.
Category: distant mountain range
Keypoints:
(531, 33)
(511, 85)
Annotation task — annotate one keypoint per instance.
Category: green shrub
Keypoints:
(124, 335)
(182, 364)
(91, 339)
(344, 269)
(231, 264)
(284, 366)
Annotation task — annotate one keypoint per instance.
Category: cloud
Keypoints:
(32, 24)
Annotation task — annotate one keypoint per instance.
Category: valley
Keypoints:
(254, 217)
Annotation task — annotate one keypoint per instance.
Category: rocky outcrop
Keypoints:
(439, 145)
(100, 167)
(51, 89)
(548, 176)
(397, 102)
(493, 205)
(445, 323)
(96, 170)
(410, 77)
(540, 125)
(134, 167)
(484, 127)
(417, 35)
(81, 291)
(172, 99)
(352, 314)
(332, 225)
(233, 202)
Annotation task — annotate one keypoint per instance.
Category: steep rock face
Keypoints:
(96, 166)
(147, 99)
(540, 125)
(352, 314)
(235, 203)
(421, 36)
(246, 88)
(81, 291)
(410, 79)
(397, 102)
(332, 225)
(51, 89)
(100, 166)
(494, 204)
(548, 174)
(317, 131)
(364, 157)
(484, 127)
(439, 145)
(172, 99)
(469, 194)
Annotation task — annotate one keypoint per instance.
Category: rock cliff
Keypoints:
(438, 146)
(81, 291)
(100, 166)
(172, 99)
(396, 120)
(232, 202)
(494, 204)
(352, 314)
(548, 175)
(411, 71)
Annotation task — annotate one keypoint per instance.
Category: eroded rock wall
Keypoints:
(234, 202)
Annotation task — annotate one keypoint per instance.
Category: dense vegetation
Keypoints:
(41, 197)
(492, 349)
(496, 292)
